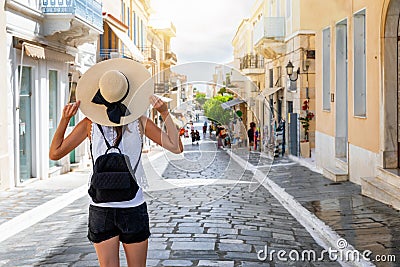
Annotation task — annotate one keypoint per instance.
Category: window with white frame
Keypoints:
(326, 69)
(360, 99)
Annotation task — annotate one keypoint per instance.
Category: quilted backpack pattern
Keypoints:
(113, 177)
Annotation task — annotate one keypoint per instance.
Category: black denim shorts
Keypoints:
(130, 224)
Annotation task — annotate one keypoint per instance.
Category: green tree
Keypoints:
(200, 98)
(214, 111)
(224, 98)
(222, 91)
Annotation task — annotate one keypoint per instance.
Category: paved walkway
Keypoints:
(205, 210)
(363, 222)
(195, 221)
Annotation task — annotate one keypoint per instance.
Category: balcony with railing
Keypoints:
(114, 53)
(252, 64)
(268, 37)
(72, 22)
(161, 88)
(149, 53)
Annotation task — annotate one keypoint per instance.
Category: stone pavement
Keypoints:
(365, 223)
(195, 221)
(18, 200)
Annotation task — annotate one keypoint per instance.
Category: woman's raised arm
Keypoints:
(61, 146)
(170, 139)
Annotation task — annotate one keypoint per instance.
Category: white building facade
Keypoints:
(49, 44)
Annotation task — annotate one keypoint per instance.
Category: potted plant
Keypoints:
(305, 123)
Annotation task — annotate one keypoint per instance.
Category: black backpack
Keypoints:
(113, 178)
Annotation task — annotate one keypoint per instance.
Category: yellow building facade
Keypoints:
(357, 101)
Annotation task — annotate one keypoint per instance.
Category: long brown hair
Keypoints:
(118, 130)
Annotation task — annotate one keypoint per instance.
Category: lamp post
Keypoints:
(290, 73)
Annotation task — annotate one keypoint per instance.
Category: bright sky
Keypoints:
(204, 28)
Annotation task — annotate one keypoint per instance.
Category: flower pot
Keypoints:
(305, 150)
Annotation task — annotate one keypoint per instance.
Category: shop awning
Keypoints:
(34, 51)
(135, 52)
(58, 56)
(232, 103)
(270, 91)
(39, 52)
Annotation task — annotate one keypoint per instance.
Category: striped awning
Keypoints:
(34, 51)
(135, 52)
(39, 52)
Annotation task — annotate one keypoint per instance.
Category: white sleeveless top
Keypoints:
(131, 145)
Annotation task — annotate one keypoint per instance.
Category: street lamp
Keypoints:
(289, 71)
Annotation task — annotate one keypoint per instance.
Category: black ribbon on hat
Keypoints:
(115, 110)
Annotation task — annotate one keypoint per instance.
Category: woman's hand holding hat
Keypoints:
(158, 104)
(70, 110)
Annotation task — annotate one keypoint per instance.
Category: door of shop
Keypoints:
(341, 129)
(25, 124)
(53, 96)
(293, 134)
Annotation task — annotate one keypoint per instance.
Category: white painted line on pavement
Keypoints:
(33, 216)
(322, 233)
(202, 181)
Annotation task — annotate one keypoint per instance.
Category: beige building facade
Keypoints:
(357, 132)
(277, 32)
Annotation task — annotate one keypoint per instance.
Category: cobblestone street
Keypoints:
(207, 217)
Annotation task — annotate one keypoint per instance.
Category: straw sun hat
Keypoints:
(115, 92)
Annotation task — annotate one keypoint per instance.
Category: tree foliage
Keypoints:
(222, 91)
(200, 98)
(214, 111)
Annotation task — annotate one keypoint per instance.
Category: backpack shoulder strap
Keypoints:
(137, 163)
(102, 133)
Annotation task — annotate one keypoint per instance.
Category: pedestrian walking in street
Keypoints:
(204, 129)
(193, 136)
(251, 134)
(197, 135)
(221, 134)
(109, 96)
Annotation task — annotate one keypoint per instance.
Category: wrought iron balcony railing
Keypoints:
(149, 53)
(161, 88)
(113, 53)
(89, 11)
(251, 61)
